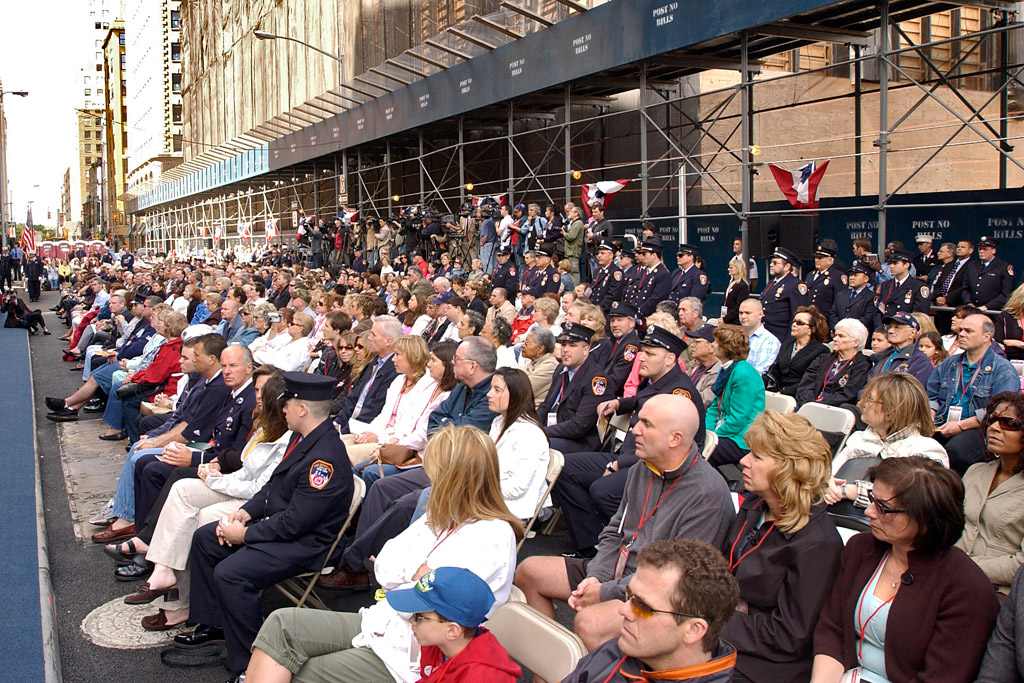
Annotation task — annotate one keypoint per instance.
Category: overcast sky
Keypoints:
(37, 54)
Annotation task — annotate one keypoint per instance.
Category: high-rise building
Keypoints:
(90, 151)
(65, 227)
(115, 112)
(154, 46)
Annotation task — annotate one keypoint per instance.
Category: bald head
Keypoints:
(665, 429)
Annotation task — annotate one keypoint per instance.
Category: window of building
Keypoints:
(99, 43)
(120, 40)
(175, 19)
(99, 67)
(97, 25)
(176, 113)
(122, 62)
(176, 143)
(88, 134)
(99, 58)
(88, 91)
(175, 52)
(124, 139)
(176, 82)
(87, 160)
(88, 147)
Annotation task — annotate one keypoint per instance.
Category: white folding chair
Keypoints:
(830, 420)
(779, 402)
(710, 441)
(292, 588)
(539, 644)
(555, 463)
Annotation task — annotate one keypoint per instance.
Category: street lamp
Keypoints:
(3, 163)
(266, 35)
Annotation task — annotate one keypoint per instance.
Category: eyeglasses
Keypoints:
(883, 509)
(1009, 423)
(360, 347)
(644, 611)
(456, 359)
(422, 616)
(246, 313)
(801, 323)
(344, 348)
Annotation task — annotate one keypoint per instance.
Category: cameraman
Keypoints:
(433, 237)
(385, 239)
(488, 238)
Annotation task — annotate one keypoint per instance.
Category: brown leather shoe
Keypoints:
(344, 580)
(147, 595)
(110, 535)
(158, 622)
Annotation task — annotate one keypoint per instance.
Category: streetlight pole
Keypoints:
(3, 161)
(266, 35)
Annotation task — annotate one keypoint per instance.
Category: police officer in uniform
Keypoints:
(783, 294)
(826, 281)
(285, 529)
(608, 281)
(989, 280)
(546, 279)
(688, 280)
(630, 272)
(504, 274)
(652, 286)
(622, 319)
(858, 301)
(903, 293)
(578, 384)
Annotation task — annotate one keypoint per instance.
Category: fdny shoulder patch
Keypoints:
(703, 279)
(629, 353)
(554, 277)
(320, 473)
(512, 272)
(924, 292)
(844, 279)
(802, 288)
(1009, 269)
(598, 385)
(618, 275)
(681, 392)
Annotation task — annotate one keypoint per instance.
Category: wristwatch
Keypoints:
(610, 467)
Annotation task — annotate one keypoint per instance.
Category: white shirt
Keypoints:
(523, 456)
(289, 358)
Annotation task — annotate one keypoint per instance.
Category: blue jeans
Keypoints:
(114, 413)
(371, 473)
(421, 504)
(89, 352)
(104, 376)
(124, 497)
(487, 256)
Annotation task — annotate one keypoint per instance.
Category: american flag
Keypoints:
(28, 236)
(494, 199)
(272, 228)
(349, 215)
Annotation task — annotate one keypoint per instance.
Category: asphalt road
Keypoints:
(83, 576)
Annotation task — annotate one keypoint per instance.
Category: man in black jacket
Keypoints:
(577, 386)
(366, 399)
(858, 301)
(989, 280)
(285, 529)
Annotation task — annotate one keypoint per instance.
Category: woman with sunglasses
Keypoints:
(249, 332)
(783, 549)
(294, 354)
(895, 409)
(994, 534)
(906, 605)
(807, 336)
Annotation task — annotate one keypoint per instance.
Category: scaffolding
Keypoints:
(693, 129)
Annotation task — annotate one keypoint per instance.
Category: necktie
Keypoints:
(366, 389)
(948, 280)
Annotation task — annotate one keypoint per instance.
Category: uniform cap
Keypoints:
(687, 249)
(623, 310)
(786, 255)
(607, 246)
(504, 251)
(306, 386)
(860, 267)
(544, 251)
(575, 332)
(987, 241)
(825, 250)
(663, 339)
(651, 246)
(924, 237)
(901, 255)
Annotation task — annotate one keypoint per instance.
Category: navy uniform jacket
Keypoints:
(910, 297)
(630, 278)
(989, 286)
(505, 276)
(860, 306)
(374, 401)
(134, 345)
(675, 381)
(297, 514)
(543, 282)
(620, 362)
(691, 282)
(205, 401)
(825, 287)
(577, 409)
(650, 290)
(926, 264)
(229, 429)
(780, 301)
(607, 287)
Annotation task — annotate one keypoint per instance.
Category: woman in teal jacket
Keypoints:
(739, 395)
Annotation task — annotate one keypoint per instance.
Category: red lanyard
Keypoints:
(832, 373)
(864, 626)
(291, 448)
(643, 519)
(733, 565)
(442, 540)
(615, 670)
(698, 373)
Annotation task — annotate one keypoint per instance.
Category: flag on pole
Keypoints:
(494, 199)
(601, 192)
(243, 230)
(218, 232)
(28, 236)
(272, 228)
(801, 186)
(349, 215)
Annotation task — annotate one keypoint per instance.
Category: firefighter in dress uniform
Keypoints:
(783, 294)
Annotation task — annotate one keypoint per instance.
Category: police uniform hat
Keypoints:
(924, 237)
(607, 246)
(987, 241)
(786, 255)
(705, 332)
(505, 251)
(139, 299)
(902, 318)
(544, 250)
(626, 251)
(623, 310)
(687, 249)
(663, 339)
(308, 387)
(860, 267)
(900, 255)
(825, 251)
(651, 246)
(575, 332)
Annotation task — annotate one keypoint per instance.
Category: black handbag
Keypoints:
(136, 389)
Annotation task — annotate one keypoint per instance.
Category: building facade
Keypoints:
(66, 229)
(116, 130)
(154, 43)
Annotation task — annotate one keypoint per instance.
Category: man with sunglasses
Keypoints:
(675, 608)
(960, 387)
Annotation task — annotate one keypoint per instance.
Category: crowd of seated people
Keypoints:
(248, 394)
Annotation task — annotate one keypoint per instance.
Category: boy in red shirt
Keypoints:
(448, 604)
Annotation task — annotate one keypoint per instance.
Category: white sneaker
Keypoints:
(106, 516)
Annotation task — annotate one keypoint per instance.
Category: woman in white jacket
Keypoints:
(194, 502)
(466, 525)
(294, 355)
(424, 380)
(895, 407)
(523, 451)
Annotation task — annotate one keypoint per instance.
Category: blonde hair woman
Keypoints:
(736, 293)
(294, 355)
(782, 548)
(466, 525)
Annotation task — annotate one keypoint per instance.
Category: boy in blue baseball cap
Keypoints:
(448, 604)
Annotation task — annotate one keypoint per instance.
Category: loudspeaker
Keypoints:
(762, 235)
(799, 234)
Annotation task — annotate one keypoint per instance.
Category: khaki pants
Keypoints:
(358, 452)
(317, 646)
(190, 505)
